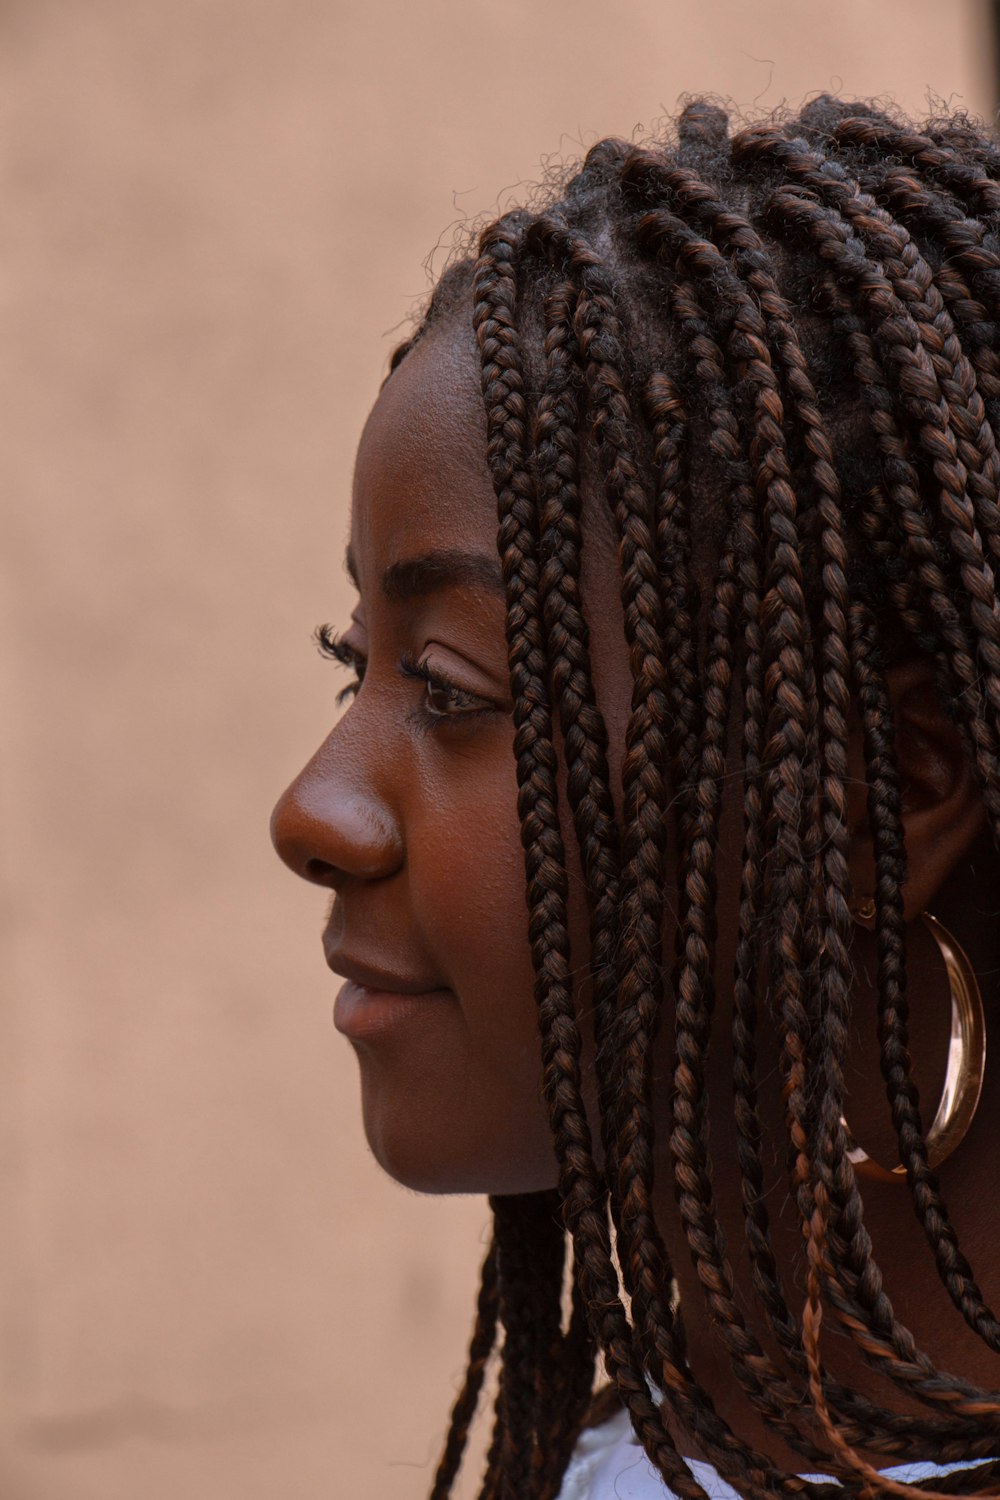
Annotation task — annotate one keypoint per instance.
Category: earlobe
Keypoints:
(942, 810)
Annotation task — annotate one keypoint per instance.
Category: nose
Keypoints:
(331, 824)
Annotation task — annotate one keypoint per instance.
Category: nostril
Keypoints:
(320, 871)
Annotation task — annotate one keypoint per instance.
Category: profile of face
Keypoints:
(408, 811)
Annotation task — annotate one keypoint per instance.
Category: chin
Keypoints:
(419, 1169)
(455, 1161)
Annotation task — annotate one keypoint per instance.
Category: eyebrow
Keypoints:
(415, 577)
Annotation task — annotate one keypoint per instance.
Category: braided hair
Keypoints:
(781, 346)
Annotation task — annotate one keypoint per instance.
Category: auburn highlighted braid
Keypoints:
(776, 351)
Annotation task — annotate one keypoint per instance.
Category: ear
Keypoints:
(942, 808)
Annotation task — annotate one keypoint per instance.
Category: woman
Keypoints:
(735, 401)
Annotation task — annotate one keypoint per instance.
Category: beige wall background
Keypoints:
(215, 212)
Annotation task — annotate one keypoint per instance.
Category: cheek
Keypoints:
(469, 898)
(456, 1105)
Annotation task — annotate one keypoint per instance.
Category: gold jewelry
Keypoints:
(963, 1079)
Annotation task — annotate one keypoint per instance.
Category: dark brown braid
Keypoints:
(779, 351)
(481, 1346)
(580, 1183)
(645, 1263)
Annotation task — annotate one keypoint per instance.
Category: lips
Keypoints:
(375, 1003)
(367, 977)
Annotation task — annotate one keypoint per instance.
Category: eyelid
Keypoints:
(464, 671)
(420, 668)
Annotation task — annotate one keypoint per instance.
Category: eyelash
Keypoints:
(333, 646)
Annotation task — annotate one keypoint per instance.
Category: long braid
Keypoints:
(580, 1183)
(708, 371)
(736, 236)
(542, 838)
(530, 1246)
(521, 1263)
(571, 1383)
(693, 195)
(766, 459)
(644, 1258)
(694, 999)
(833, 1005)
(588, 780)
(584, 740)
(644, 796)
(481, 1346)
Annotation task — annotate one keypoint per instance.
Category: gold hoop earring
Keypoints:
(966, 1066)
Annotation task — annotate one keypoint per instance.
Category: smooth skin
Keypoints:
(407, 814)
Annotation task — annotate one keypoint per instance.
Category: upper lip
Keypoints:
(374, 979)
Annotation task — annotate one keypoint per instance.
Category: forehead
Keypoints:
(420, 478)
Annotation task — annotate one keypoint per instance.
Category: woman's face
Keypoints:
(407, 812)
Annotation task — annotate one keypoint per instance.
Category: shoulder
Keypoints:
(608, 1464)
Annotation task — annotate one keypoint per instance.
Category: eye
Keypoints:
(444, 698)
(334, 647)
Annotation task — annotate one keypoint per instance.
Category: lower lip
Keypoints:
(365, 1015)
